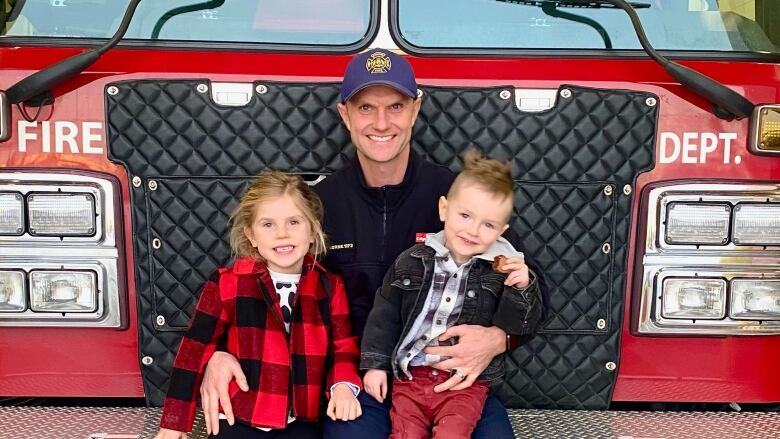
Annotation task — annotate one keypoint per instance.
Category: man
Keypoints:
(376, 207)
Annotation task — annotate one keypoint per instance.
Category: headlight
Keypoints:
(757, 224)
(11, 214)
(697, 223)
(61, 214)
(63, 291)
(12, 297)
(694, 298)
(754, 299)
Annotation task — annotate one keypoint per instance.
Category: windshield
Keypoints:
(308, 22)
(684, 25)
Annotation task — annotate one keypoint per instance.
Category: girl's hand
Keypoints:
(165, 433)
(343, 405)
(518, 273)
(375, 384)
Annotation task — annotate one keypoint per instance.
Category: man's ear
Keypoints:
(442, 208)
(417, 105)
(344, 115)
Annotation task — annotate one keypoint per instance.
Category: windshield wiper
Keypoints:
(34, 87)
(589, 4)
(726, 103)
(209, 4)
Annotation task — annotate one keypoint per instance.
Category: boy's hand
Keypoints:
(165, 433)
(343, 405)
(518, 273)
(375, 384)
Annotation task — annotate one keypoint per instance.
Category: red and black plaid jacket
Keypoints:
(283, 371)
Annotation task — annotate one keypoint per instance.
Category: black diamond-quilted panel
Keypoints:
(564, 228)
(194, 157)
(190, 219)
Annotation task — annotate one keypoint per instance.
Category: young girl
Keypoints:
(286, 318)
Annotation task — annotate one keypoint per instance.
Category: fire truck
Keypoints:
(644, 137)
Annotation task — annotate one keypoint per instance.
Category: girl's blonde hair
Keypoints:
(268, 186)
(491, 175)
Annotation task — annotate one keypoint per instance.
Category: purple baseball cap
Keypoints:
(378, 66)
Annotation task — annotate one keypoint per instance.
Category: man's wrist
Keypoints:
(502, 340)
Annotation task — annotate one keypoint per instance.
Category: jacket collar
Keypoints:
(435, 246)
(249, 265)
(389, 196)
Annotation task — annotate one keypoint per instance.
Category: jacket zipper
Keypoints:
(384, 224)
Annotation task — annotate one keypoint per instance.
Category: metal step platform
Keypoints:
(142, 423)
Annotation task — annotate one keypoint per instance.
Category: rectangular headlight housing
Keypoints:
(11, 214)
(63, 291)
(697, 223)
(693, 298)
(756, 224)
(755, 299)
(62, 214)
(12, 295)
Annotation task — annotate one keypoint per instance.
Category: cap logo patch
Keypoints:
(378, 62)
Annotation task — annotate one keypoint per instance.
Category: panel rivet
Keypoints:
(160, 320)
(146, 361)
(261, 89)
(505, 94)
(651, 102)
(156, 243)
(152, 185)
(202, 88)
(566, 93)
(611, 366)
(137, 181)
(608, 190)
(627, 189)
(601, 324)
(606, 248)
(112, 90)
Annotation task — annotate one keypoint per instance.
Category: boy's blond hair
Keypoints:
(489, 175)
(268, 186)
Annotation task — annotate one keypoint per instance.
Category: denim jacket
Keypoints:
(488, 302)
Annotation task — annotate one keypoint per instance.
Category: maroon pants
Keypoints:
(416, 407)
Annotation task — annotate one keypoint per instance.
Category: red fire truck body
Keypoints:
(693, 149)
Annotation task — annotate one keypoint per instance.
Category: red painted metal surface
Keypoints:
(69, 362)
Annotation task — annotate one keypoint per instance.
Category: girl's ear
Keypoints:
(249, 235)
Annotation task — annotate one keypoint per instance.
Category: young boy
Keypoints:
(465, 274)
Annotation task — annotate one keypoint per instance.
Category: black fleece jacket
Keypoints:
(369, 227)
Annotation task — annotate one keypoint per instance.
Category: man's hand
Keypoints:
(165, 433)
(518, 273)
(477, 345)
(343, 405)
(375, 384)
(221, 369)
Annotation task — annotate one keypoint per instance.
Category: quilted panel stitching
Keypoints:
(602, 158)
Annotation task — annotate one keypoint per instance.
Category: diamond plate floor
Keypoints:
(543, 424)
(142, 423)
